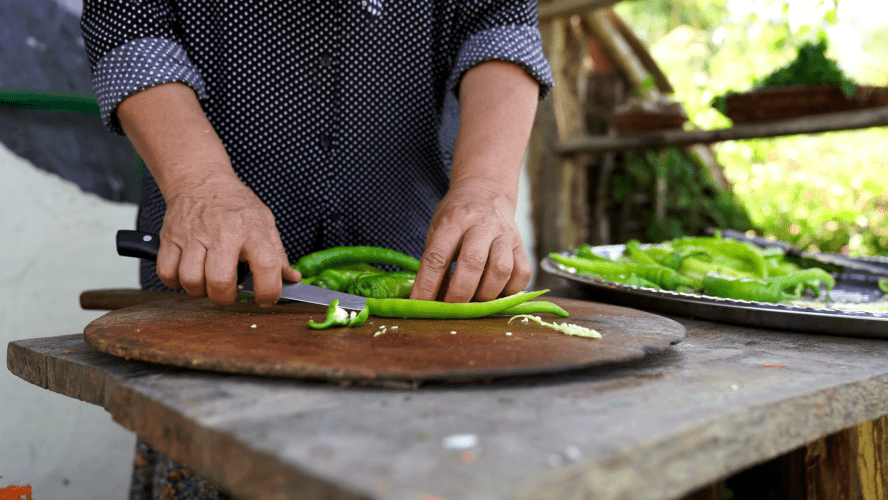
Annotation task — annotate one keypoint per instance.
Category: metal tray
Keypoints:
(857, 307)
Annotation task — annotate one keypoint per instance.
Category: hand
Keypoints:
(475, 227)
(211, 224)
(213, 221)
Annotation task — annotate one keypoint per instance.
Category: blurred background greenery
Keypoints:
(824, 192)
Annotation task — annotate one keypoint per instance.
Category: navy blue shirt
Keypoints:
(339, 114)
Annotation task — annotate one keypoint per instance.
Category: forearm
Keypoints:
(498, 101)
(169, 130)
(474, 225)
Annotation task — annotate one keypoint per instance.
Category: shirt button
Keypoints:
(326, 142)
(325, 60)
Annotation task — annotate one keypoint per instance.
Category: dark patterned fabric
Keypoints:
(338, 114)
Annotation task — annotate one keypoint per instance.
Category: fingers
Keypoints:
(435, 265)
(213, 273)
(521, 271)
(202, 244)
(265, 266)
(497, 272)
(221, 274)
(470, 266)
(488, 265)
(168, 257)
(191, 269)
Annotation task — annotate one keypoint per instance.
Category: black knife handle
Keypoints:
(137, 244)
(146, 245)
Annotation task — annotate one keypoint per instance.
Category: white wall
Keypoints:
(56, 241)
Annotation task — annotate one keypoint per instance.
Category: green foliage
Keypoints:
(810, 67)
(825, 191)
(677, 181)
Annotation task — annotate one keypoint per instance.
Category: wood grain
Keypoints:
(245, 338)
(657, 428)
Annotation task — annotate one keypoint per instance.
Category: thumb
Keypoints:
(290, 275)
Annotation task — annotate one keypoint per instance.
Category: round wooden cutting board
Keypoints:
(193, 333)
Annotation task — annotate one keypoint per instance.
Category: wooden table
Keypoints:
(723, 400)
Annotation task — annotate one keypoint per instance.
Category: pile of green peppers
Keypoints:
(353, 270)
(715, 266)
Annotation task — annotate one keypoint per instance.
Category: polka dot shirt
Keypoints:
(340, 115)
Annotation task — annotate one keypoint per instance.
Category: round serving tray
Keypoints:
(845, 315)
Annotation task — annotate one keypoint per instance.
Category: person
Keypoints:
(271, 129)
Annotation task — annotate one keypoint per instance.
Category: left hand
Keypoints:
(475, 227)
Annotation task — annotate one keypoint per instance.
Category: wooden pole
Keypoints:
(563, 8)
(559, 207)
(812, 124)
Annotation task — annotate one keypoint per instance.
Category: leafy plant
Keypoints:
(682, 199)
(810, 67)
(826, 191)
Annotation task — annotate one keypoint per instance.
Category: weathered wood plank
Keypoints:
(850, 464)
(656, 429)
(559, 207)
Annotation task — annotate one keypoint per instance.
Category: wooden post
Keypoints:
(559, 205)
(850, 464)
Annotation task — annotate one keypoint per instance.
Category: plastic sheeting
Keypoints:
(41, 48)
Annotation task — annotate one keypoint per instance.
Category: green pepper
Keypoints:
(341, 278)
(337, 316)
(663, 276)
(313, 263)
(883, 285)
(391, 285)
(723, 251)
(632, 279)
(772, 289)
(637, 255)
(810, 279)
(585, 251)
(409, 308)
(743, 289)
(536, 307)
(426, 309)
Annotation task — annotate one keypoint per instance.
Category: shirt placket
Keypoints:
(328, 64)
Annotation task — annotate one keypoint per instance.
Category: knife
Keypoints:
(145, 246)
(828, 259)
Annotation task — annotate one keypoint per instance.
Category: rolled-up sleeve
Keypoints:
(132, 46)
(504, 30)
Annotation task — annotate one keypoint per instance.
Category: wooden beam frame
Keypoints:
(569, 7)
(847, 120)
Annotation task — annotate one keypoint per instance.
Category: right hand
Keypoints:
(213, 221)
(211, 225)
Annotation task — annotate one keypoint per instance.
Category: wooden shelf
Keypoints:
(813, 124)
(548, 10)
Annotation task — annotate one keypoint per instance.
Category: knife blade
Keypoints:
(847, 264)
(145, 246)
